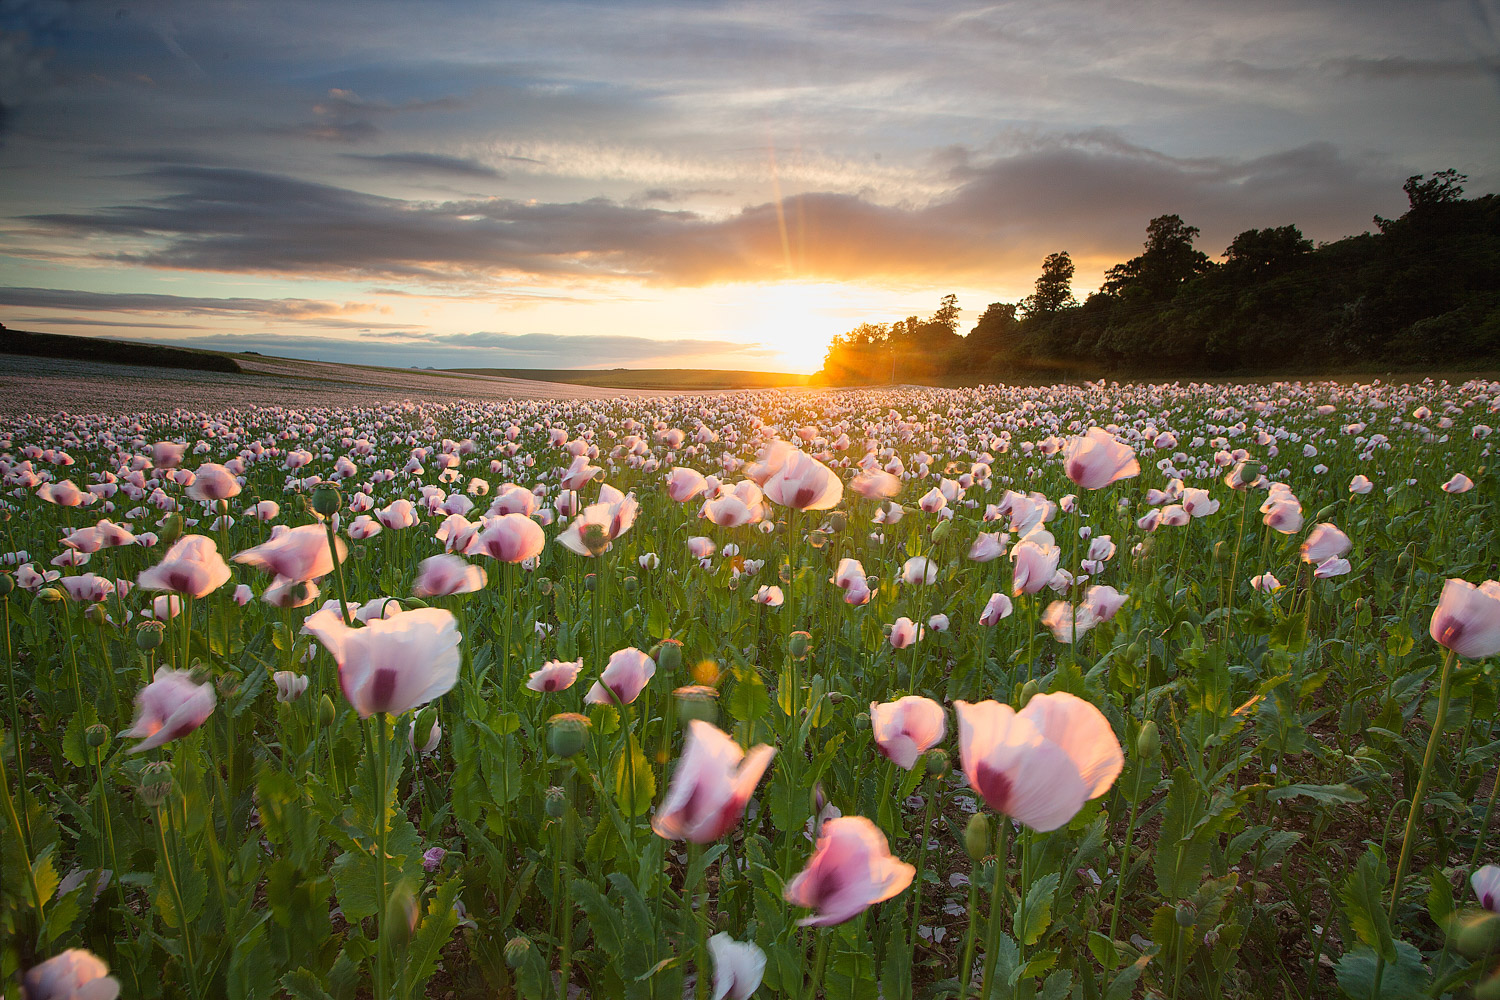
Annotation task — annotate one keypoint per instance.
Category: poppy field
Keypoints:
(1082, 691)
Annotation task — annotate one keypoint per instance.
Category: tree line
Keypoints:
(1421, 290)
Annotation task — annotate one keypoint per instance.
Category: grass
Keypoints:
(649, 378)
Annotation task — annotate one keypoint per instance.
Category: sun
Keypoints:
(793, 321)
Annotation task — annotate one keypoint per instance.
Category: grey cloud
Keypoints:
(1090, 193)
(1405, 68)
(54, 298)
(426, 163)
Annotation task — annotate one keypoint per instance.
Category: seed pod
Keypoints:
(938, 763)
(977, 836)
(590, 582)
(7, 584)
(150, 635)
(555, 802)
(838, 521)
(632, 585)
(96, 735)
(156, 783)
(327, 500)
(1186, 915)
(668, 655)
(799, 644)
(567, 734)
(697, 701)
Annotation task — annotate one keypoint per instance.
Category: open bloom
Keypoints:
(1068, 622)
(875, 484)
(213, 482)
(1361, 485)
(625, 675)
(555, 675)
(510, 538)
(770, 595)
(683, 484)
(168, 708)
(1039, 765)
(919, 569)
(73, 975)
(711, 786)
(1096, 459)
(299, 553)
(65, 494)
(1460, 483)
(908, 727)
(1467, 618)
(804, 483)
(392, 664)
(988, 546)
(1265, 583)
(1324, 542)
(592, 531)
(849, 572)
(905, 632)
(999, 606)
(444, 574)
(851, 869)
(1033, 566)
(1486, 883)
(289, 686)
(738, 967)
(191, 566)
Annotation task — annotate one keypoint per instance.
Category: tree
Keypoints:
(1263, 253)
(947, 313)
(1168, 262)
(1054, 287)
(1441, 188)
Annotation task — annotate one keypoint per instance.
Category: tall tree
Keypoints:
(1168, 262)
(1054, 287)
(947, 313)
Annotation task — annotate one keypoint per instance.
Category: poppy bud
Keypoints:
(697, 701)
(632, 585)
(555, 802)
(517, 951)
(938, 763)
(977, 836)
(1185, 914)
(799, 644)
(7, 584)
(1328, 511)
(326, 499)
(544, 584)
(590, 582)
(49, 595)
(94, 614)
(941, 531)
(668, 655)
(1477, 933)
(1489, 989)
(862, 720)
(149, 636)
(567, 733)
(170, 531)
(96, 735)
(360, 552)
(838, 521)
(1028, 691)
(1148, 742)
(401, 913)
(326, 712)
(156, 783)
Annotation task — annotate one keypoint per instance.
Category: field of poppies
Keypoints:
(1098, 691)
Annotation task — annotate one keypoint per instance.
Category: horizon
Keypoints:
(674, 185)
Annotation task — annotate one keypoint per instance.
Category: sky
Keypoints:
(673, 184)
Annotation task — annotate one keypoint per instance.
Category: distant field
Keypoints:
(104, 349)
(706, 379)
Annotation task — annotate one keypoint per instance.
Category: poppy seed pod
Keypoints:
(156, 783)
(696, 702)
(838, 521)
(567, 734)
(326, 499)
(555, 802)
(668, 655)
(938, 763)
(96, 735)
(517, 951)
(799, 644)
(150, 635)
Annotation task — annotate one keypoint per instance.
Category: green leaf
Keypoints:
(1122, 987)
(1037, 912)
(1327, 794)
(1402, 979)
(1439, 897)
(748, 700)
(303, 985)
(1363, 895)
(609, 929)
(436, 928)
(1183, 847)
(636, 800)
(895, 977)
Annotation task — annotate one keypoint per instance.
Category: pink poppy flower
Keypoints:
(713, 782)
(908, 727)
(445, 574)
(625, 675)
(1324, 542)
(738, 967)
(392, 664)
(169, 708)
(804, 483)
(213, 482)
(555, 675)
(851, 869)
(299, 553)
(999, 606)
(1096, 459)
(509, 538)
(191, 566)
(1467, 619)
(72, 975)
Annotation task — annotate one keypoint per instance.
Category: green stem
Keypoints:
(10, 813)
(1484, 825)
(338, 572)
(163, 819)
(1445, 689)
(819, 962)
(382, 794)
(922, 834)
(992, 929)
(1135, 804)
(966, 969)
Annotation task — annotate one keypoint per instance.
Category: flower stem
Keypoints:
(992, 929)
(1445, 690)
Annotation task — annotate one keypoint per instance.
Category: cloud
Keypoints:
(55, 298)
(426, 163)
(1090, 192)
(484, 349)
